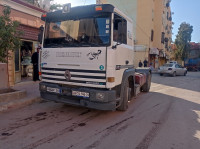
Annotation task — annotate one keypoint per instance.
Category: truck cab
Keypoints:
(87, 57)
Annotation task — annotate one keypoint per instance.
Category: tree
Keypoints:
(9, 35)
(182, 41)
(55, 7)
(48, 5)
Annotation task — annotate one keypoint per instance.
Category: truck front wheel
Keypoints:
(124, 97)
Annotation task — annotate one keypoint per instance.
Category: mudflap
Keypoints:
(143, 70)
(147, 72)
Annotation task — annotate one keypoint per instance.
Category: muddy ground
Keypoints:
(167, 117)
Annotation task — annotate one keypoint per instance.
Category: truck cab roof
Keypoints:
(79, 12)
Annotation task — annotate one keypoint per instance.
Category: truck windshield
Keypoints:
(91, 32)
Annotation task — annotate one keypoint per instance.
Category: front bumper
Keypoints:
(108, 102)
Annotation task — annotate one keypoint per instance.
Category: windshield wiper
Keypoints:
(52, 45)
(70, 45)
(96, 44)
(84, 45)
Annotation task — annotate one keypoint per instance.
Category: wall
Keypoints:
(158, 24)
(25, 16)
(3, 76)
(145, 20)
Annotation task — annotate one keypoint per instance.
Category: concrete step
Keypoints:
(9, 94)
(17, 103)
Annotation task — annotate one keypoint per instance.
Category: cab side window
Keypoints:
(120, 29)
(178, 66)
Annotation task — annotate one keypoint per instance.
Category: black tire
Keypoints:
(185, 73)
(147, 85)
(174, 74)
(161, 74)
(124, 97)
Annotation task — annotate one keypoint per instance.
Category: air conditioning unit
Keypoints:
(135, 41)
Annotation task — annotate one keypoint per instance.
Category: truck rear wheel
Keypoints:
(146, 86)
(124, 97)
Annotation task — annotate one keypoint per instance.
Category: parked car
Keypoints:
(173, 62)
(172, 69)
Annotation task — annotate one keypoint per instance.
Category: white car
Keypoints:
(173, 62)
(172, 69)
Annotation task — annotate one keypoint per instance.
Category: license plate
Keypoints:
(80, 94)
(53, 90)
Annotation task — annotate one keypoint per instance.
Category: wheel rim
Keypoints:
(174, 74)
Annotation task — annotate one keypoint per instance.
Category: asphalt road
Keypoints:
(168, 117)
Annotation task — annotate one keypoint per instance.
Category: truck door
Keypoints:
(123, 50)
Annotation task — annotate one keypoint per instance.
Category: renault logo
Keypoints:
(67, 75)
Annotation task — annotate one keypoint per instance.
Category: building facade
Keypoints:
(162, 31)
(29, 16)
(152, 28)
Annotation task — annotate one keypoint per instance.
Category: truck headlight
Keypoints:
(43, 87)
(100, 96)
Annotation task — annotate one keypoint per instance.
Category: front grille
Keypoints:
(79, 77)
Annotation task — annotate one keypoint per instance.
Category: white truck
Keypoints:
(87, 58)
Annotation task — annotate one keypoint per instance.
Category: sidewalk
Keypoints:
(31, 88)
(32, 95)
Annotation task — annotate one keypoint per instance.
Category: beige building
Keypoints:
(152, 28)
(162, 31)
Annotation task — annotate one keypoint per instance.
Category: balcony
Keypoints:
(168, 3)
(170, 18)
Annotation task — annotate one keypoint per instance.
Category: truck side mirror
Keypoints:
(40, 35)
(115, 46)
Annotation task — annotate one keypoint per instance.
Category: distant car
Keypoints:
(173, 62)
(172, 69)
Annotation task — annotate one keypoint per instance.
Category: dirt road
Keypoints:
(168, 117)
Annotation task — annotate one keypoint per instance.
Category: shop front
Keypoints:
(153, 57)
(29, 17)
(162, 57)
(23, 65)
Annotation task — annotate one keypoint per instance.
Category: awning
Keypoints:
(154, 51)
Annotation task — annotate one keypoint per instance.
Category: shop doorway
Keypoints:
(26, 51)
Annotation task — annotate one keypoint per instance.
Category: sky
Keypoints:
(184, 11)
(76, 2)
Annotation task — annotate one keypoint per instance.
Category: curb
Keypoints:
(154, 72)
(15, 94)
(18, 104)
